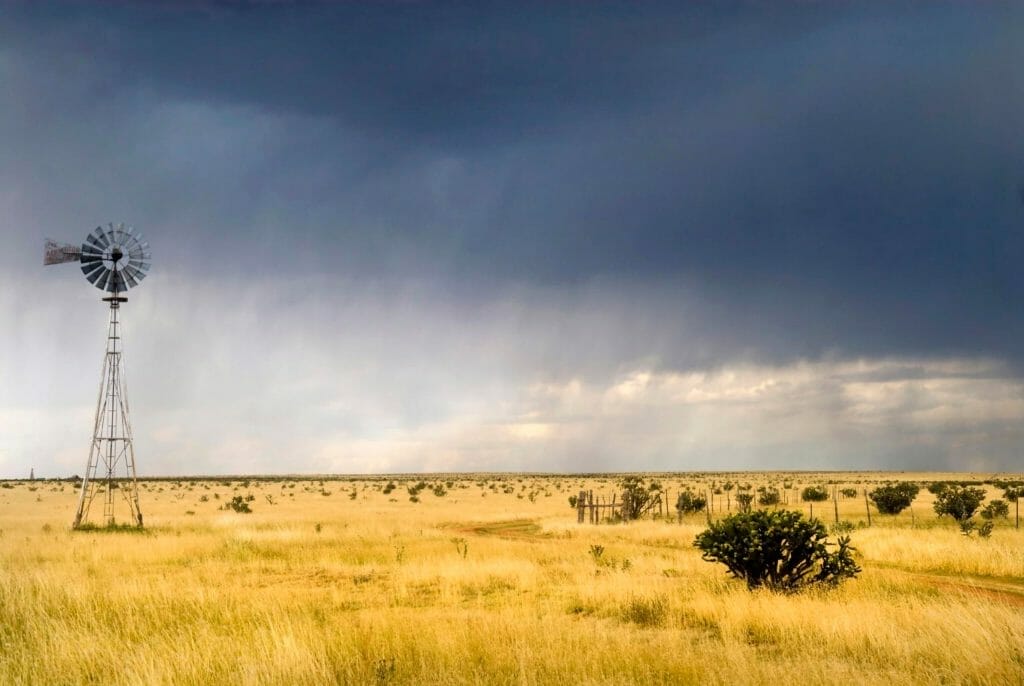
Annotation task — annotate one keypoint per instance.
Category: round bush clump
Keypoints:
(779, 550)
(894, 498)
(814, 494)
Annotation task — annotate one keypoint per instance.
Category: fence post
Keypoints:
(866, 506)
(835, 501)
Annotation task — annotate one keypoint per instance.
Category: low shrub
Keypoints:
(766, 497)
(814, 494)
(238, 504)
(1013, 493)
(744, 501)
(996, 508)
(959, 502)
(689, 502)
(779, 550)
(894, 498)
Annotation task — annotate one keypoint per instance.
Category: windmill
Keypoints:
(114, 259)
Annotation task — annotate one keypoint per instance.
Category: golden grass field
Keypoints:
(482, 586)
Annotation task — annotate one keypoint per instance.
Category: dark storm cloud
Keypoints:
(822, 178)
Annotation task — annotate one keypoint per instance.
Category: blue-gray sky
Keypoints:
(504, 236)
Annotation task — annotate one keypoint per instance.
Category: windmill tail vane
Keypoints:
(58, 253)
(113, 258)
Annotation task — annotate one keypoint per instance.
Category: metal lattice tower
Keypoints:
(114, 259)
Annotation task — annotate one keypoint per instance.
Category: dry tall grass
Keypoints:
(480, 586)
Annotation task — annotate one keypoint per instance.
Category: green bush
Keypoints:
(937, 487)
(1013, 493)
(688, 502)
(767, 497)
(814, 494)
(238, 504)
(996, 508)
(848, 492)
(635, 497)
(959, 502)
(744, 501)
(894, 498)
(779, 550)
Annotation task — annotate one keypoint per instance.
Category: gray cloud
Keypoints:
(466, 201)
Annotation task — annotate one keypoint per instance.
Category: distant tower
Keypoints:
(32, 474)
(114, 259)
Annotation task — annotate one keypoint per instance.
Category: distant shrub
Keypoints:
(389, 487)
(779, 550)
(1013, 493)
(814, 494)
(635, 497)
(573, 499)
(744, 501)
(959, 502)
(767, 497)
(996, 508)
(937, 487)
(848, 492)
(894, 498)
(238, 504)
(688, 502)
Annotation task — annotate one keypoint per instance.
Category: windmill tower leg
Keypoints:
(112, 444)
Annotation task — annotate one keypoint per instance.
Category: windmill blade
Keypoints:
(129, 278)
(108, 233)
(104, 279)
(139, 276)
(91, 267)
(99, 237)
(95, 275)
(135, 274)
(92, 247)
(59, 253)
(120, 237)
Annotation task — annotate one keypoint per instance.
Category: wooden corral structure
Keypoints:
(594, 509)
